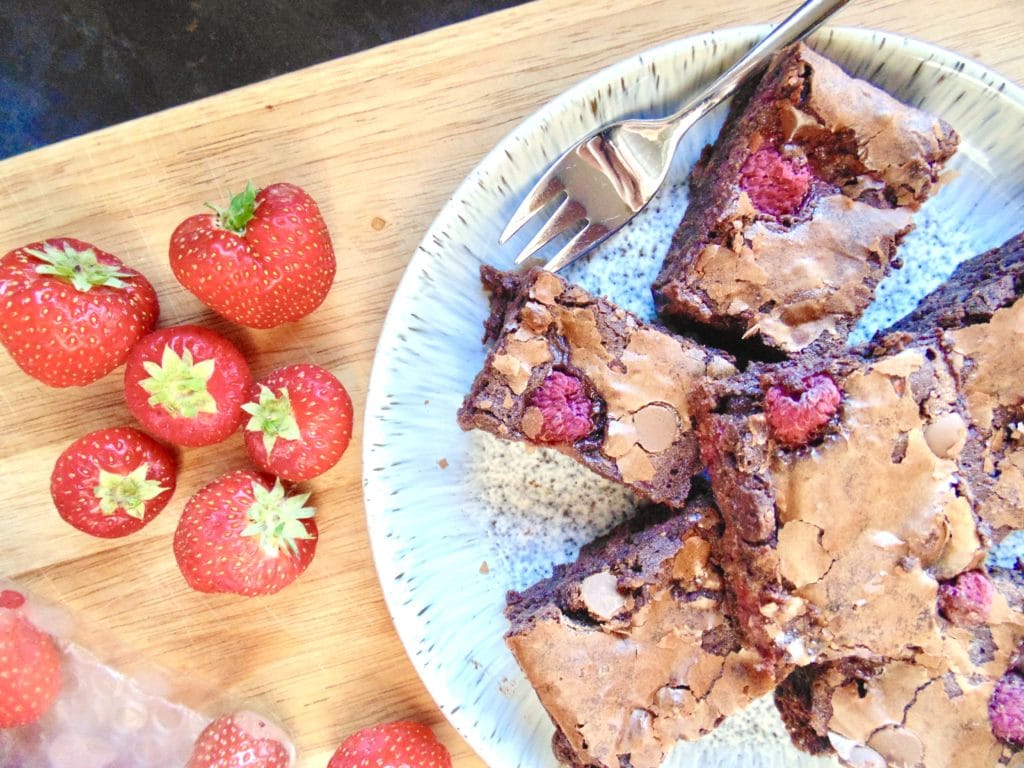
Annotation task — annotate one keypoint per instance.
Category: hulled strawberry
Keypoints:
(300, 422)
(30, 665)
(266, 259)
(186, 385)
(399, 744)
(70, 312)
(242, 739)
(243, 534)
(112, 482)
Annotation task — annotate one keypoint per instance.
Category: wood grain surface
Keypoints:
(380, 139)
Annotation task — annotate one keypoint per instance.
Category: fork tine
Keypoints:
(542, 193)
(586, 238)
(567, 214)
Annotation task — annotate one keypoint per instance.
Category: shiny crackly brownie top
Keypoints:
(960, 708)
(574, 372)
(844, 505)
(855, 488)
(796, 213)
(986, 357)
(629, 648)
(979, 314)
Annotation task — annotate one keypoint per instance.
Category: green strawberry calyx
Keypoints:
(273, 416)
(239, 212)
(276, 519)
(81, 268)
(179, 385)
(126, 492)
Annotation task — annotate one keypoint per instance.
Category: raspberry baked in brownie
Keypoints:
(838, 483)
(796, 211)
(574, 372)
(963, 708)
(629, 648)
(851, 487)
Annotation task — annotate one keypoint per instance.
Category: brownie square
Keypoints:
(852, 487)
(629, 648)
(796, 211)
(842, 499)
(574, 372)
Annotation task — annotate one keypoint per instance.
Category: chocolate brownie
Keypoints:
(962, 708)
(629, 648)
(838, 483)
(974, 292)
(796, 211)
(981, 312)
(574, 372)
(852, 486)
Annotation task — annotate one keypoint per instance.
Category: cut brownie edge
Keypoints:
(501, 289)
(976, 289)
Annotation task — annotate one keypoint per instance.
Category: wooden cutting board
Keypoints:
(380, 139)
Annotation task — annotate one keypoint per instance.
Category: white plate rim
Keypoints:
(404, 616)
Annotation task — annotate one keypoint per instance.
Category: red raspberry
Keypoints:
(1006, 708)
(795, 421)
(967, 599)
(565, 407)
(776, 184)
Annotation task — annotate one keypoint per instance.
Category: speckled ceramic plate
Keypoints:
(457, 519)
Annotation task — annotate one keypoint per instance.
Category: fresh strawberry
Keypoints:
(242, 739)
(243, 534)
(186, 385)
(300, 422)
(70, 312)
(29, 665)
(392, 744)
(112, 482)
(265, 260)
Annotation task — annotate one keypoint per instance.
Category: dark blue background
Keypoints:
(71, 66)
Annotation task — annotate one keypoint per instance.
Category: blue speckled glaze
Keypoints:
(456, 519)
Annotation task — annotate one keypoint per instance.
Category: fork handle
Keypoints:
(802, 22)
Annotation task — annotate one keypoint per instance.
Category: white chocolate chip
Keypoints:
(600, 593)
(657, 426)
(901, 747)
(946, 435)
(855, 754)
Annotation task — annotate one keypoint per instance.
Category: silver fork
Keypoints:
(607, 177)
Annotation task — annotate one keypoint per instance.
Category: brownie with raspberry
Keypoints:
(853, 486)
(576, 373)
(843, 504)
(963, 707)
(797, 210)
(630, 648)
